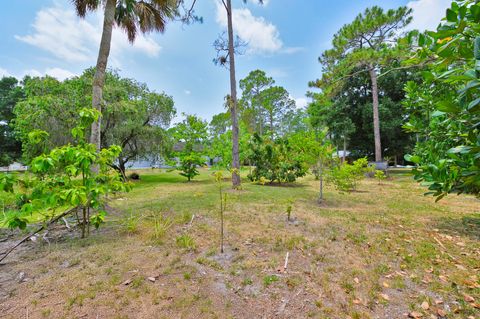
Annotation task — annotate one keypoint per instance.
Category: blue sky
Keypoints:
(285, 38)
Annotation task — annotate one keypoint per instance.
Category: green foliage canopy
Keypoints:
(191, 137)
(133, 117)
(444, 110)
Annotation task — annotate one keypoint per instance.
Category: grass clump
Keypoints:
(270, 279)
(186, 241)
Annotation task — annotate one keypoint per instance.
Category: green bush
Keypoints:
(70, 178)
(274, 161)
(134, 176)
(380, 176)
(189, 163)
(345, 177)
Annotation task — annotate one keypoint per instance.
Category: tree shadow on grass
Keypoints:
(467, 225)
(284, 185)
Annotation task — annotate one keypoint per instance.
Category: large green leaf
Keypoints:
(448, 107)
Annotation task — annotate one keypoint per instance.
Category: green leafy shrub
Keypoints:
(189, 163)
(444, 109)
(345, 177)
(191, 137)
(274, 161)
(380, 176)
(68, 179)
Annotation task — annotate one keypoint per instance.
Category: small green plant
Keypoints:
(186, 241)
(247, 282)
(289, 209)
(223, 203)
(208, 262)
(380, 176)
(161, 226)
(184, 217)
(345, 177)
(130, 223)
(270, 279)
(262, 181)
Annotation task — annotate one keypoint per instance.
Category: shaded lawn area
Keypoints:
(383, 252)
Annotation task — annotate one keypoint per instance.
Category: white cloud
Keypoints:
(427, 13)
(292, 50)
(301, 102)
(187, 92)
(58, 73)
(4, 73)
(277, 72)
(32, 72)
(60, 32)
(262, 36)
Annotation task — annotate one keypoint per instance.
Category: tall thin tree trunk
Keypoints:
(376, 117)
(271, 125)
(344, 148)
(320, 175)
(221, 220)
(102, 60)
(233, 95)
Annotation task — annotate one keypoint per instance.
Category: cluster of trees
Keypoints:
(378, 86)
(135, 118)
(412, 94)
(267, 116)
(362, 86)
(10, 93)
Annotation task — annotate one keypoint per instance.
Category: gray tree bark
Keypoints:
(376, 117)
(99, 78)
(236, 181)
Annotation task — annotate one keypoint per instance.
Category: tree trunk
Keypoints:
(320, 175)
(271, 125)
(121, 166)
(344, 148)
(233, 95)
(376, 118)
(221, 221)
(99, 78)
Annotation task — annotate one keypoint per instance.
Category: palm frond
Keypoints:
(84, 6)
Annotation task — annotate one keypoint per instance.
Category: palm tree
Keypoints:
(132, 16)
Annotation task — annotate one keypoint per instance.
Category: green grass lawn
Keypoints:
(385, 251)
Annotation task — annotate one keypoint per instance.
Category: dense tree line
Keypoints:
(134, 118)
(10, 93)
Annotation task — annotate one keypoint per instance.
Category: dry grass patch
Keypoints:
(382, 252)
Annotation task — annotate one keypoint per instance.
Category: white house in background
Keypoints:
(14, 167)
(340, 154)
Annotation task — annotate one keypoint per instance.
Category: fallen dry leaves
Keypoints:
(425, 305)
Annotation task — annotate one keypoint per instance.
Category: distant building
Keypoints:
(340, 154)
(14, 167)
